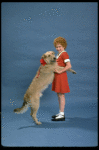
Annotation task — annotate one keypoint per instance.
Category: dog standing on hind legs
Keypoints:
(43, 78)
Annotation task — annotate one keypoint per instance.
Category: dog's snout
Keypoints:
(54, 58)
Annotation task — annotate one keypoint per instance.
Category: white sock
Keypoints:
(61, 113)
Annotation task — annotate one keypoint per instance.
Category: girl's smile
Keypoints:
(59, 48)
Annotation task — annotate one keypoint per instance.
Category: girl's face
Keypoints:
(59, 48)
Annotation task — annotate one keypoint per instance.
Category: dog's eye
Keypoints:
(48, 55)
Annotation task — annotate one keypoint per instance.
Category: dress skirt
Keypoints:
(60, 83)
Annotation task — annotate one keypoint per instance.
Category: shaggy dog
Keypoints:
(43, 78)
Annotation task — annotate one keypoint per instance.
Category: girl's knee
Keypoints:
(61, 95)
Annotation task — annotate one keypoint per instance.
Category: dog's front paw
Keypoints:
(74, 72)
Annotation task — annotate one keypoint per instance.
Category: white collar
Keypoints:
(59, 54)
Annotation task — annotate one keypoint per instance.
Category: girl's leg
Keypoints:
(58, 100)
(60, 116)
(59, 106)
(62, 102)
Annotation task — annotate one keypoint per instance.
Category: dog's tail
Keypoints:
(23, 109)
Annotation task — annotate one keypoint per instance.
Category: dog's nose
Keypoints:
(54, 58)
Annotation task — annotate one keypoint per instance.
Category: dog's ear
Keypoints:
(43, 56)
(53, 52)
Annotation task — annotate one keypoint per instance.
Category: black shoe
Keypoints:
(62, 118)
(55, 116)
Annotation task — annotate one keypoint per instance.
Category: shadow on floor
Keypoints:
(84, 123)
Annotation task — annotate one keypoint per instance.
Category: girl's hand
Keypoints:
(56, 71)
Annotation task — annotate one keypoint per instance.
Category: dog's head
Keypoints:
(49, 57)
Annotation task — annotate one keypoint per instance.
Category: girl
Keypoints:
(60, 82)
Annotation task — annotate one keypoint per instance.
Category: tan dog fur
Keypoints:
(38, 85)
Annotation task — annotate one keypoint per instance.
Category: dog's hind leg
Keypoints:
(31, 111)
(35, 107)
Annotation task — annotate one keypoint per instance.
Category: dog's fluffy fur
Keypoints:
(39, 84)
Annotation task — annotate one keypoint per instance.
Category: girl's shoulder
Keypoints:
(62, 54)
(65, 55)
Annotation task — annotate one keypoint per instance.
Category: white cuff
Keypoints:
(66, 60)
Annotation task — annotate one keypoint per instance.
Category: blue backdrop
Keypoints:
(28, 31)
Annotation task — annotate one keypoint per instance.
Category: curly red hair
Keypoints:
(60, 40)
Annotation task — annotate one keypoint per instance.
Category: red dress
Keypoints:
(60, 82)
